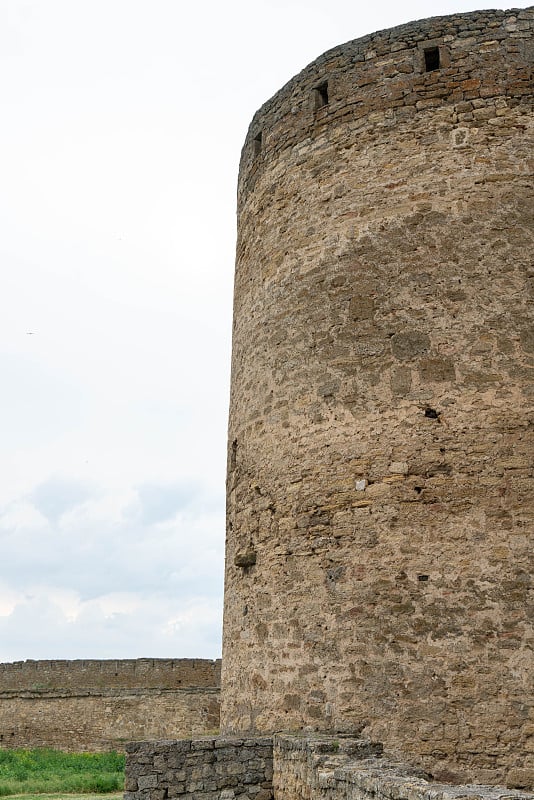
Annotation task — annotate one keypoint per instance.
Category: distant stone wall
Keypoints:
(134, 673)
(202, 769)
(100, 705)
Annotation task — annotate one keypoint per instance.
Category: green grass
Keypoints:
(44, 771)
(65, 796)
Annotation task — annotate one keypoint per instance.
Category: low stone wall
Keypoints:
(302, 763)
(101, 705)
(330, 768)
(288, 767)
(201, 769)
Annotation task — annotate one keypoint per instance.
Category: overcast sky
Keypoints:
(121, 127)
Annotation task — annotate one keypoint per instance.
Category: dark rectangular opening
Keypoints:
(320, 95)
(431, 59)
(257, 143)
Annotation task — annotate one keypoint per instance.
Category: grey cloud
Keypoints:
(38, 628)
(161, 502)
(55, 496)
(161, 538)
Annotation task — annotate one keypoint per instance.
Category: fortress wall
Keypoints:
(380, 486)
(100, 705)
(135, 673)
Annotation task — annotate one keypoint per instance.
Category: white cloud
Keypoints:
(22, 518)
(129, 627)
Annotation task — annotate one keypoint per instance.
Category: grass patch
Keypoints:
(44, 771)
(65, 796)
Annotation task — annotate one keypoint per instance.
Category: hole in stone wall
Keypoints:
(245, 558)
(320, 95)
(422, 577)
(257, 144)
(418, 489)
(431, 59)
(431, 413)
(233, 455)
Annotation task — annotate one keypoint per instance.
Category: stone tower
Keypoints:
(380, 491)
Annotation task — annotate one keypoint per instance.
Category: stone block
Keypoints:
(147, 781)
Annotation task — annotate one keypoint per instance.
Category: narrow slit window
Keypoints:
(431, 59)
(320, 95)
(257, 143)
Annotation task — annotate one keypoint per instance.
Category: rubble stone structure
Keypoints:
(201, 769)
(285, 767)
(100, 705)
(380, 486)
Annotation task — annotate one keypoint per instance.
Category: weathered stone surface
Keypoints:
(309, 769)
(383, 315)
(100, 705)
(208, 769)
(305, 767)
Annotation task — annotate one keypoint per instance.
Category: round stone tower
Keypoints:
(380, 491)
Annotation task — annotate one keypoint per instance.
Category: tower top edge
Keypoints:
(417, 31)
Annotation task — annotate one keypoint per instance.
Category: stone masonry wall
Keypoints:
(304, 767)
(134, 673)
(327, 768)
(100, 705)
(201, 769)
(380, 483)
